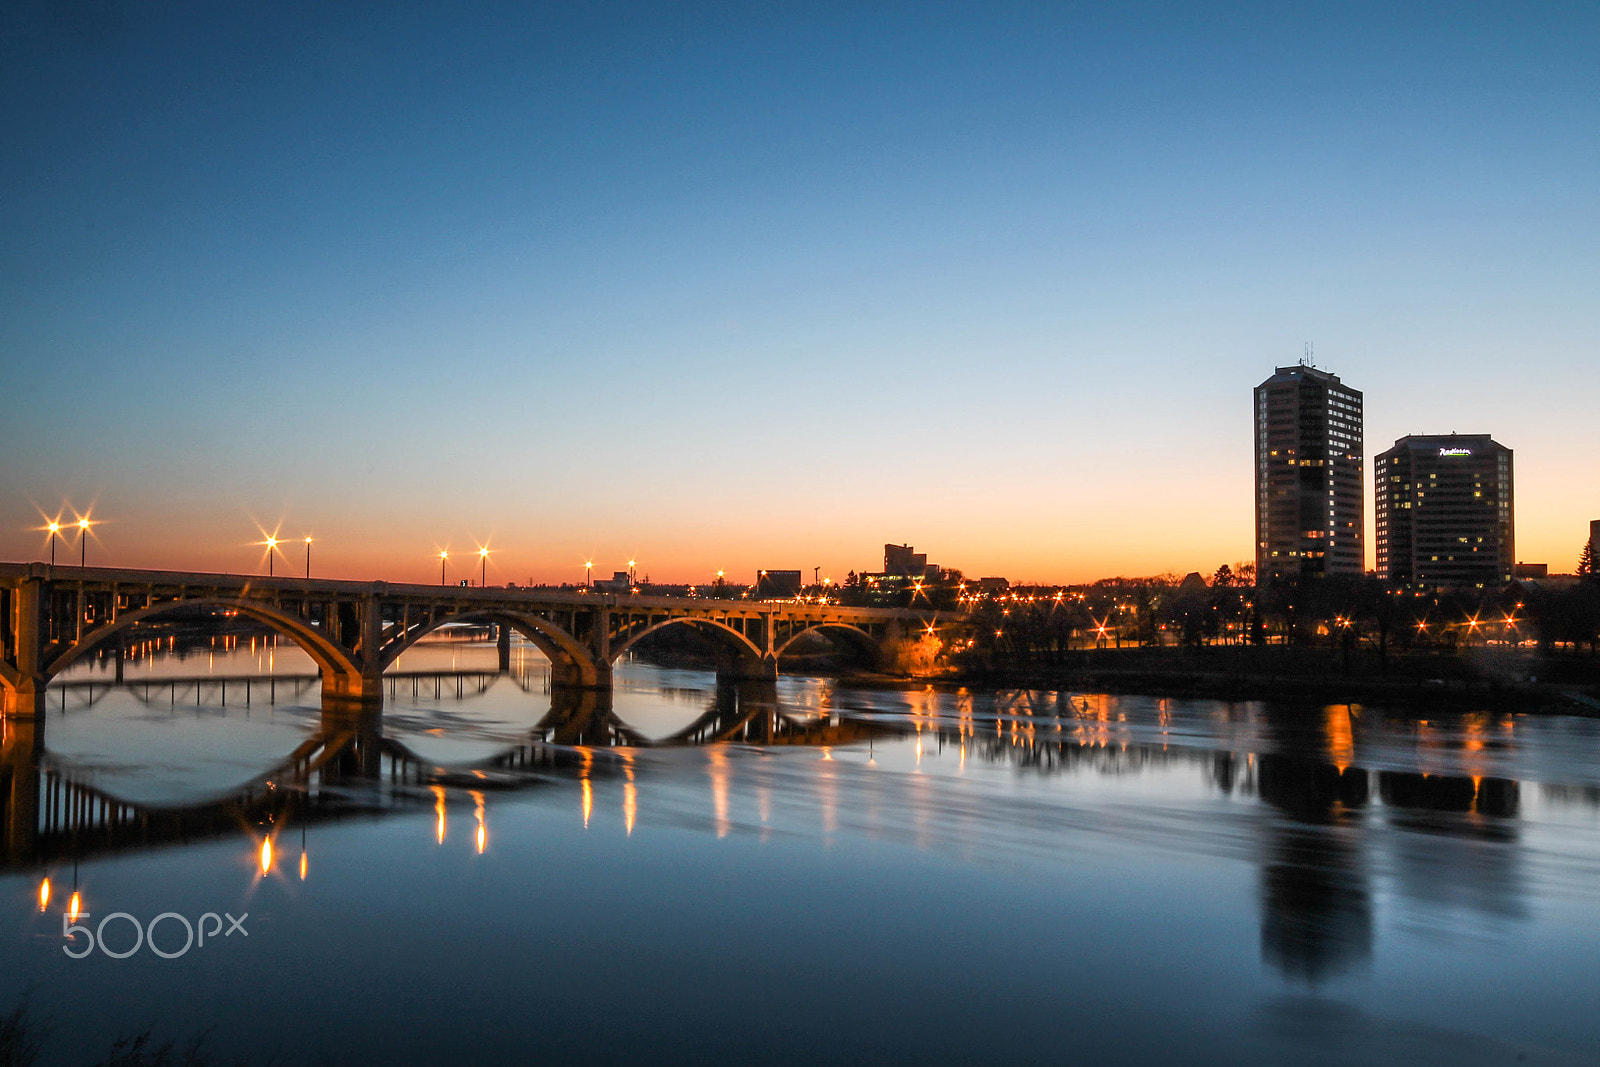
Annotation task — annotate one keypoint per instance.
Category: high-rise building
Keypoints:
(1443, 511)
(1309, 497)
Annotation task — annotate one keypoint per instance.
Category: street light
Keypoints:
(483, 568)
(632, 564)
(83, 539)
(272, 550)
(55, 534)
(308, 557)
(443, 555)
(588, 573)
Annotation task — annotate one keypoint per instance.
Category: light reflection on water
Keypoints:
(1074, 875)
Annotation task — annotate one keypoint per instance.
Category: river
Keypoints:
(812, 873)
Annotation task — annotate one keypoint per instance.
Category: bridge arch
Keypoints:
(845, 635)
(331, 658)
(740, 649)
(572, 662)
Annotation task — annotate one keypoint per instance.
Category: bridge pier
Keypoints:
(353, 692)
(24, 702)
(570, 675)
(748, 669)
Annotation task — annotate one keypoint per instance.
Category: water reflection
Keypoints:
(1346, 816)
(1316, 900)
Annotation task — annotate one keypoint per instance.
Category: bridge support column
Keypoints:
(25, 702)
(503, 646)
(24, 699)
(353, 692)
(571, 675)
(748, 668)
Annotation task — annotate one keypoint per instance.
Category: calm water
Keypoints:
(851, 874)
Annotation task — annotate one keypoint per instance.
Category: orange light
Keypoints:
(44, 894)
(266, 855)
(302, 865)
(75, 907)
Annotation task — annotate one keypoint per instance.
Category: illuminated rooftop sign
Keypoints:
(1455, 451)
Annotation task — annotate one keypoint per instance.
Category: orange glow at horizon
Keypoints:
(1090, 524)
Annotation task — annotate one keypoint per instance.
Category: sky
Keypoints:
(768, 285)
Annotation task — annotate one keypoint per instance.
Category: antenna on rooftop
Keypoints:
(1307, 360)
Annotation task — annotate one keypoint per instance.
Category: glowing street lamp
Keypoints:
(308, 557)
(55, 534)
(83, 539)
(483, 568)
(588, 573)
(444, 554)
(632, 566)
(272, 550)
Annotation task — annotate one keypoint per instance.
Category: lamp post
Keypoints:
(588, 573)
(308, 557)
(443, 555)
(483, 568)
(55, 532)
(83, 540)
(272, 550)
(632, 565)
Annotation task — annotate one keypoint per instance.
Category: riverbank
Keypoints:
(1492, 679)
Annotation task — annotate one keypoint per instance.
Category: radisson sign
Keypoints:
(1455, 451)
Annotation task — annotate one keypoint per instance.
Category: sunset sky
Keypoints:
(767, 285)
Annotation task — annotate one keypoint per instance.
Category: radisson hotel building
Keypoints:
(1444, 516)
(1308, 476)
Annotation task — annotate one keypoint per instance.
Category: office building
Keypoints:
(1309, 497)
(1444, 515)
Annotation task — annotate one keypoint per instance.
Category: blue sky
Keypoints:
(769, 285)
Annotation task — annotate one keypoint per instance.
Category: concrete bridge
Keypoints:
(53, 616)
(50, 809)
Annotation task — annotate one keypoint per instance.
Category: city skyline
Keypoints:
(737, 290)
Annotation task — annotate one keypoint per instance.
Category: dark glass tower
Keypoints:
(1444, 512)
(1308, 476)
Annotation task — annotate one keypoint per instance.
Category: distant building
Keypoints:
(1444, 512)
(777, 585)
(1531, 570)
(619, 582)
(993, 585)
(1309, 501)
(902, 561)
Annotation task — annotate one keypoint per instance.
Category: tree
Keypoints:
(1586, 561)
